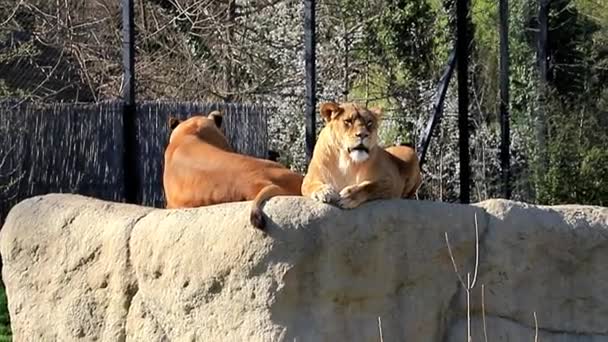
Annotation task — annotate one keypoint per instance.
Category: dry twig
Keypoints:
(469, 285)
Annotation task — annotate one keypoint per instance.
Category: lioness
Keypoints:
(201, 169)
(348, 167)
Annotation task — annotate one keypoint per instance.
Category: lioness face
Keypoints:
(207, 128)
(354, 128)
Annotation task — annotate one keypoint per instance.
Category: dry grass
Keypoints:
(470, 284)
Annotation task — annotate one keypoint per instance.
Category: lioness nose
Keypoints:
(362, 135)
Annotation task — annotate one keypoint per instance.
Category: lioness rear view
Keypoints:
(348, 167)
(201, 169)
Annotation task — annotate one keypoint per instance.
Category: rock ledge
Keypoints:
(81, 269)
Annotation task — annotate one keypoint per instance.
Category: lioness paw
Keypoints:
(351, 197)
(326, 194)
(349, 191)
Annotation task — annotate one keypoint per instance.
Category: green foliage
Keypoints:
(571, 47)
(594, 175)
(574, 105)
(8, 92)
(409, 43)
(404, 47)
(484, 18)
(5, 329)
(577, 137)
(577, 158)
(523, 75)
(402, 35)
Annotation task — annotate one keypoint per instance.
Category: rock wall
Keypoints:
(80, 269)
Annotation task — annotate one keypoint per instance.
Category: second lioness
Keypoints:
(348, 167)
(202, 169)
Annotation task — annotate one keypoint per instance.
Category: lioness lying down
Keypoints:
(348, 167)
(201, 169)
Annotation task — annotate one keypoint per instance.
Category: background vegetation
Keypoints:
(379, 52)
(5, 328)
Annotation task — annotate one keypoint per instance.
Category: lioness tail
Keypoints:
(257, 215)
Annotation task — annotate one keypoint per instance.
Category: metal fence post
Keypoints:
(131, 180)
(505, 139)
(462, 56)
(545, 77)
(310, 66)
(438, 104)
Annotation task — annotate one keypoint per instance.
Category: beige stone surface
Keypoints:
(80, 269)
(548, 260)
(506, 330)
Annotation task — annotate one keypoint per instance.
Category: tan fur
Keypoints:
(409, 169)
(335, 177)
(201, 169)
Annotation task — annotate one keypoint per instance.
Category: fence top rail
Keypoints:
(8, 101)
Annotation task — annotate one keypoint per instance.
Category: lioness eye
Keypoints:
(348, 122)
(369, 124)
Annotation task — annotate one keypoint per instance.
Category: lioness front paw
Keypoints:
(326, 194)
(351, 197)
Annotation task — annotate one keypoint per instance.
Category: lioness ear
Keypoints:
(218, 117)
(173, 122)
(376, 112)
(330, 111)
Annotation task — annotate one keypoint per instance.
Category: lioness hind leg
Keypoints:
(413, 191)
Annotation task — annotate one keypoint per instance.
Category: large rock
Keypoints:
(77, 268)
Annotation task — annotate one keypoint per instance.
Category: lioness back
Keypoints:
(409, 167)
(201, 169)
